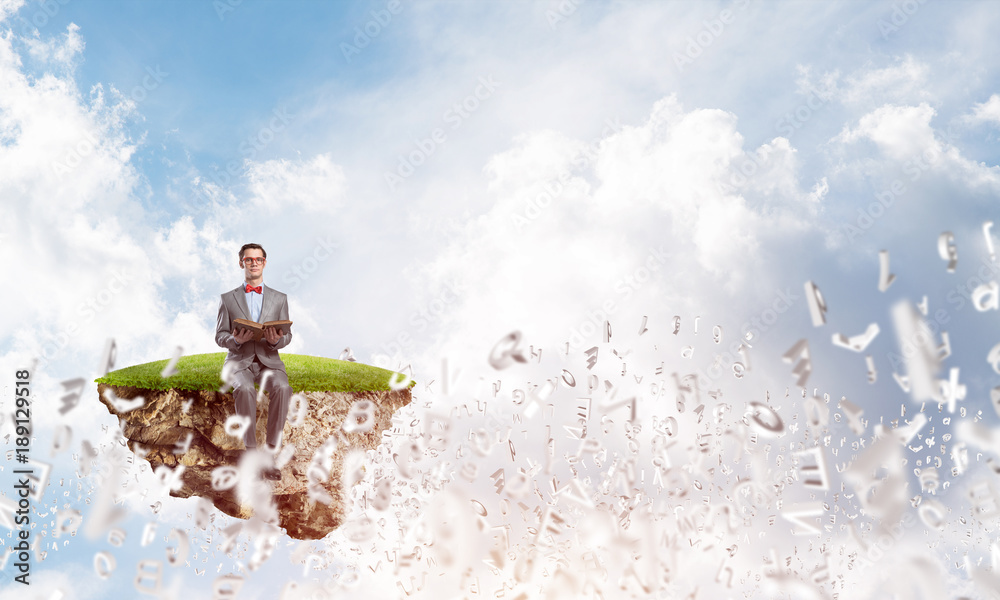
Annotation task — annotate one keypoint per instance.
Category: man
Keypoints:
(250, 362)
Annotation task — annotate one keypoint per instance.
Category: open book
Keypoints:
(258, 328)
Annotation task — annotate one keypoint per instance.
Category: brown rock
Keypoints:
(161, 424)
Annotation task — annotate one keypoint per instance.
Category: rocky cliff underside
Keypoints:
(161, 426)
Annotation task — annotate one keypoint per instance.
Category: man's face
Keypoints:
(253, 263)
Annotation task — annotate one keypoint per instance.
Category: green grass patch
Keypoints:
(305, 374)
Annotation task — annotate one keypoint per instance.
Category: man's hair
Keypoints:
(248, 246)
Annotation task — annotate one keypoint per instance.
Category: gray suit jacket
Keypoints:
(274, 307)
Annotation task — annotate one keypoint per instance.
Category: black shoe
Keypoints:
(272, 473)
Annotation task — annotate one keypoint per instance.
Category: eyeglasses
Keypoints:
(251, 260)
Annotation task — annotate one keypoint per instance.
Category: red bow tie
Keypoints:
(259, 289)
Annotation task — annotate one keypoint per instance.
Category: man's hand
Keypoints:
(272, 335)
(243, 335)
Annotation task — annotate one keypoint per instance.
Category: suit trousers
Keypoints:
(279, 394)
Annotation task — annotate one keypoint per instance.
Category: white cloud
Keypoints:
(60, 52)
(905, 135)
(986, 112)
(538, 157)
(317, 185)
(86, 245)
(644, 223)
(9, 7)
(80, 239)
(901, 132)
(176, 249)
(906, 81)
(650, 218)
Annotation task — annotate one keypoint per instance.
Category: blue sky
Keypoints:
(483, 167)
